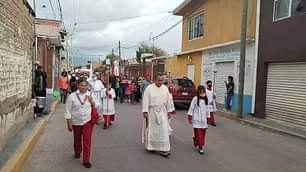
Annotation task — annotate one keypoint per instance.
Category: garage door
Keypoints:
(223, 71)
(286, 93)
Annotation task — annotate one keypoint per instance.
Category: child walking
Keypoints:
(108, 96)
(197, 116)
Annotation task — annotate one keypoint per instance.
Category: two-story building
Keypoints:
(50, 54)
(281, 74)
(211, 45)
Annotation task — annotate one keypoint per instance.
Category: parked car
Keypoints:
(182, 89)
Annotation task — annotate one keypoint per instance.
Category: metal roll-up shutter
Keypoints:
(286, 93)
(223, 71)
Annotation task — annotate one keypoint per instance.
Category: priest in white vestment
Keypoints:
(156, 108)
(96, 87)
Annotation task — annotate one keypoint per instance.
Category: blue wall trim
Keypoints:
(247, 103)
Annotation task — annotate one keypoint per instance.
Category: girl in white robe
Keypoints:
(108, 96)
(197, 116)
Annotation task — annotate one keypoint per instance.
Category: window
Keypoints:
(287, 8)
(183, 82)
(196, 24)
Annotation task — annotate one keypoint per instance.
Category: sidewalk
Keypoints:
(265, 124)
(19, 147)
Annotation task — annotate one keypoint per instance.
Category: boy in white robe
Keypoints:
(108, 96)
(211, 103)
(156, 108)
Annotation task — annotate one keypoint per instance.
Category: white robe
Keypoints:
(199, 113)
(96, 87)
(212, 107)
(157, 103)
(108, 103)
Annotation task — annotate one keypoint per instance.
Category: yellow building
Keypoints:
(211, 41)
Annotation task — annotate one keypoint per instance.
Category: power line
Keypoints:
(52, 8)
(61, 12)
(167, 30)
(123, 18)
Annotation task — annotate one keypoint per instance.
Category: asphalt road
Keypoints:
(231, 147)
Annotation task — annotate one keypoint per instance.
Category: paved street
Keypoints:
(231, 147)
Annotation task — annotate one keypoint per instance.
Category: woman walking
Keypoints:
(78, 115)
(63, 83)
(197, 116)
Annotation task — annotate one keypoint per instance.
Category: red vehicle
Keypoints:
(182, 89)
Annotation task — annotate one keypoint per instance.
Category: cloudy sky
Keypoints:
(100, 24)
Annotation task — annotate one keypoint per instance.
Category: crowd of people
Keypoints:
(93, 94)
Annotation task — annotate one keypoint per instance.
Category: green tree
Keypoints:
(112, 57)
(156, 51)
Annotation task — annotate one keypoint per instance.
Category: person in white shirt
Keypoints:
(78, 115)
(211, 103)
(108, 96)
(197, 117)
(96, 87)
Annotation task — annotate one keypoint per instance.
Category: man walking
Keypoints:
(156, 109)
(230, 91)
(145, 83)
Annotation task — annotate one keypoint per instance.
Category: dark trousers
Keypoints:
(228, 101)
(122, 94)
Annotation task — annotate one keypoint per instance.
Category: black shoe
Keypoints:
(165, 154)
(77, 155)
(87, 164)
(201, 151)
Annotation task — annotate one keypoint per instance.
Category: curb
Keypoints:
(272, 129)
(258, 125)
(18, 159)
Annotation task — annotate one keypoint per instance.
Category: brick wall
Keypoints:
(16, 49)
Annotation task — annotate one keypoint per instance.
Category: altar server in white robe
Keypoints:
(212, 107)
(156, 110)
(198, 115)
(108, 96)
(96, 87)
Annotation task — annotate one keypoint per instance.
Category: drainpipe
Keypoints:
(256, 55)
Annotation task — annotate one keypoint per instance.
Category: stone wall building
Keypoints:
(16, 59)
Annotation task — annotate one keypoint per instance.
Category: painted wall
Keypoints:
(189, 59)
(16, 41)
(281, 41)
(222, 22)
(172, 68)
(232, 54)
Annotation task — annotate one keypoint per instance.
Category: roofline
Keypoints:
(26, 3)
(214, 46)
(44, 19)
(163, 57)
(181, 6)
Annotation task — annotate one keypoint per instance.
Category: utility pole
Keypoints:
(119, 50)
(244, 24)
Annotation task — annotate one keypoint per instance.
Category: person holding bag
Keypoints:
(81, 116)
(198, 116)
